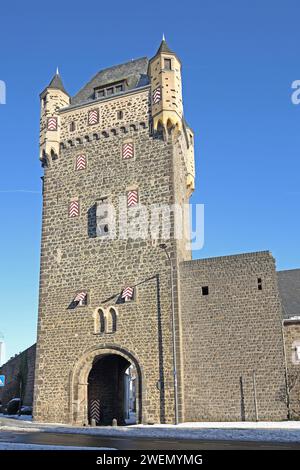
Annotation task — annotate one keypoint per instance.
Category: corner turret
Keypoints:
(52, 99)
(166, 88)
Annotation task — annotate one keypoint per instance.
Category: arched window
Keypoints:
(111, 321)
(169, 126)
(101, 321)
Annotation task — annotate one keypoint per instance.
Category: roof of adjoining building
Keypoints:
(289, 288)
(134, 72)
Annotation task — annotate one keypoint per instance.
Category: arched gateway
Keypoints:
(99, 388)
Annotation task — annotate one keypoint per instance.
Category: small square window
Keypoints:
(259, 283)
(167, 64)
(110, 91)
(100, 93)
(205, 290)
(119, 88)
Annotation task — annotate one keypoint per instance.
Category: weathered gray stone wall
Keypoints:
(72, 259)
(11, 369)
(230, 333)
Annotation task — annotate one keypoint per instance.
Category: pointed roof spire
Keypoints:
(57, 83)
(164, 47)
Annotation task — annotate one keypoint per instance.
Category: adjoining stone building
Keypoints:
(19, 377)
(108, 302)
(289, 288)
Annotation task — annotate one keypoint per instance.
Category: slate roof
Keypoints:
(164, 48)
(289, 288)
(134, 72)
(56, 83)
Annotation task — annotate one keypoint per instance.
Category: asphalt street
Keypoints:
(125, 443)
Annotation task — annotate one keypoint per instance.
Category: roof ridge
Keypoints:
(109, 68)
(102, 74)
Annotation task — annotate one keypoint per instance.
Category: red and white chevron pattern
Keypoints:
(132, 198)
(156, 95)
(127, 150)
(93, 117)
(127, 293)
(80, 297)
(74, 209)
(80, 162)
(52, 124)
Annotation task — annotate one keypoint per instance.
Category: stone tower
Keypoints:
(167, 108)
(119, 148)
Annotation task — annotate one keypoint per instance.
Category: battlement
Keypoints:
(108, 133)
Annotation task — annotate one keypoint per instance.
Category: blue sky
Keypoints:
(239, 60)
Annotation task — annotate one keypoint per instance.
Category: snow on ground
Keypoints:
(20, 418)
(282, 431)
(10, 446)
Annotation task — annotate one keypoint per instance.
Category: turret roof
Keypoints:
(164, 48)
(57, 83)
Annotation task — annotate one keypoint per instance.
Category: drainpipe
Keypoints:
(164, 247)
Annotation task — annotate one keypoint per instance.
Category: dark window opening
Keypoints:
(204, 290)
(259, 283)
(120, 114)
(119, 88)
(72, 126)
(111, 321)
(100, 93)
(101, 321)
(109, 90)
(167, 64)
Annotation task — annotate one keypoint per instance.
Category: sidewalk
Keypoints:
(286, 431)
